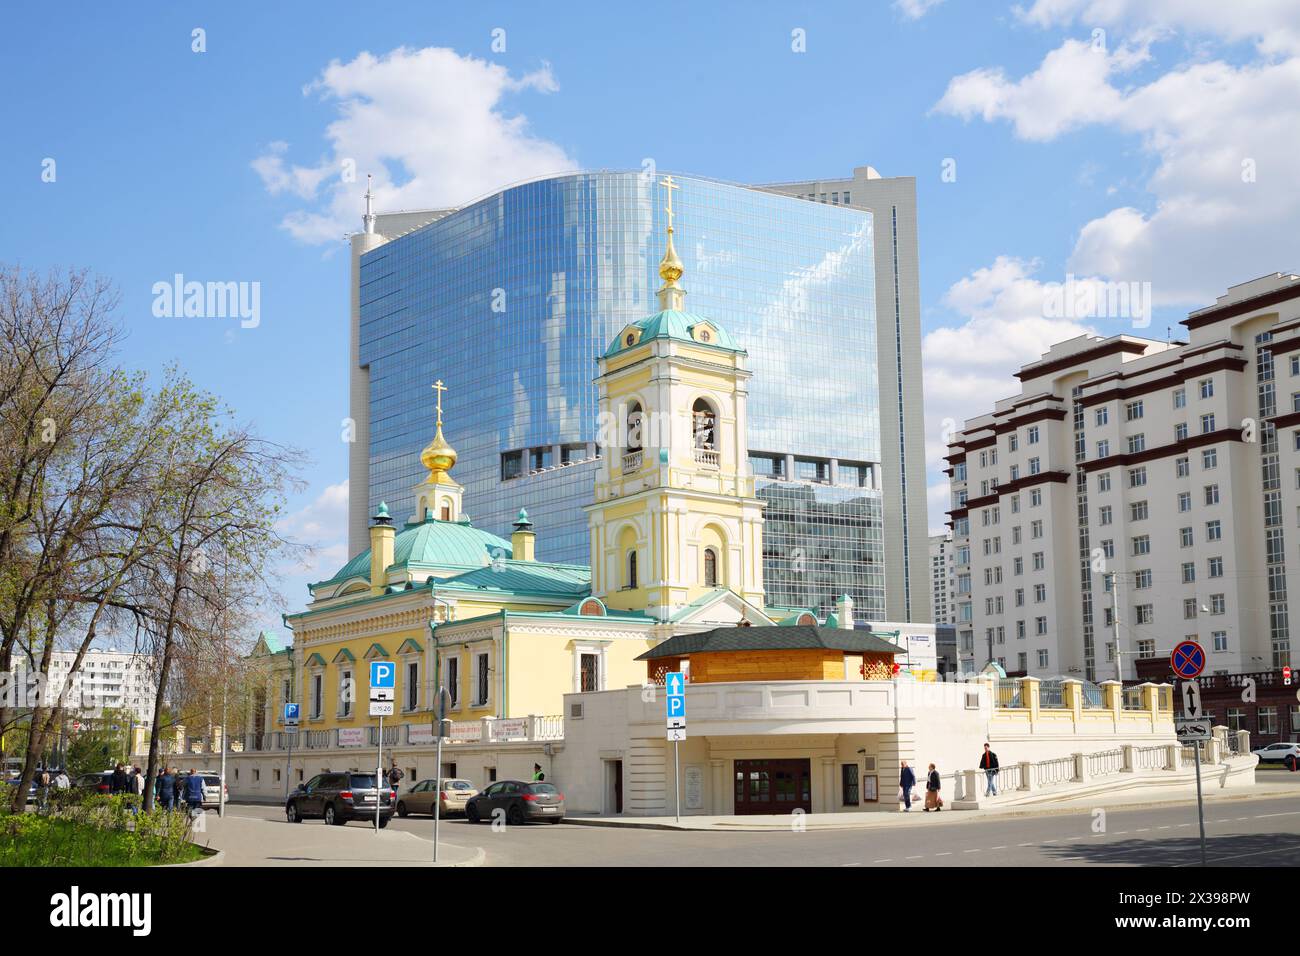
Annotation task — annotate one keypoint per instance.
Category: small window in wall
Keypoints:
(257, 775)
(236, 774)
(703, 423)
(482, 679)
(448, 771)
(849, 784)
(631, 569)
(300, 776)
(277, 775)
(589, 671)
(710, 568)
(491, 774)
(412, 685)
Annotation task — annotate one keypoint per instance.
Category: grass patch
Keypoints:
(100, 831)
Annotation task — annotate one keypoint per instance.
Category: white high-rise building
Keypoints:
(1172, 469)
(942, 579)
(107, 679)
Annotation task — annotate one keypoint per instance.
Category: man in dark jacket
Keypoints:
(906, 781)
(194, 792)
(119, 782)
(989, 764)
(167, 789)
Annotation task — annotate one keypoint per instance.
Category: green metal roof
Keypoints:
(315, 661)
(413, 644)
(377, 650)
(344, 654)
(672, 324)
(432, 544)
(567, 581)
(771, 638)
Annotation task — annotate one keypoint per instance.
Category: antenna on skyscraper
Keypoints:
(369, 218)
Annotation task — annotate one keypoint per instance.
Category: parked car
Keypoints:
(452, 796)
(521, 801)
(1288, 754)
(211, 789)
(101, 782)
(340, 797)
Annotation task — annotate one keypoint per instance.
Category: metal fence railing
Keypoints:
(1092, 695)
(1050, 772)
(1104, 763)
(1132, 699)
(1051, 693)
(1151, 758)
(1008, 693)
(1010, 778)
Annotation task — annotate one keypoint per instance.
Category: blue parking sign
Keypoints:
(290, 713)
(675, 686)
(383, 674)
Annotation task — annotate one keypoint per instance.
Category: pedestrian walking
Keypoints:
(119, 782)
(395, 776)
(906, 781)
(167, 788)
(194, 792)
(932, 799)
(44, 782)
(61, 781)
(989, 764)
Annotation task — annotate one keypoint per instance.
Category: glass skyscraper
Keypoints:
(509, 301)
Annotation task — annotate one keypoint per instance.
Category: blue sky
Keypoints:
(1162, 151)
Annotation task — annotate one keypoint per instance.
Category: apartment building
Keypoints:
(942, 579)
(107, 679)
(1169, 471)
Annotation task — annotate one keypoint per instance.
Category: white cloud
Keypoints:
(1223, 198)
(970, 366)
(322, 525)
(430, 125)
(915, 9)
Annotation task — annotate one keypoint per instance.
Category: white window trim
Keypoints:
(588, 648)
(343, 675)
(314, 712)
(408, 659)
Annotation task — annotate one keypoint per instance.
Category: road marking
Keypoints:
(1217, 859)
(850, 864)
(1142, 830)
(888, 859)
(970, 851)
(1124, 832)
(918, 857)
(1024, 844)
(1265, 816)
(998, 847)
(947, 853)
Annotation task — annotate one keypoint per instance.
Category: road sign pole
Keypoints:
(288, 760)
(440, 713)
(1200, 804)
(677, 777)
(379, 773)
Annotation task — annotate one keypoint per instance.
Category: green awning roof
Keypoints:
(412, 644)
(344, 655)
(377, 650)
(315, 661)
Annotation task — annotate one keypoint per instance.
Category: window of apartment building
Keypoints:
(1104, 515)
(1189, 609)
(1142, 579)
(1210, 458)
(1142, 544)
(1036, 529)
(1182, 467)
(1103, 481)
(1040, 626)
(1180, 398)
(1213, 530)
(993, 456)
(1015, 504)
(1042, 657)
(1184, 501)
(1137, 477)
(1013, 442)
(1207, 387)
(1180, 431)
(1236, 717)
(962, 525)
(967, 641)
(1015, 535)
(1108, 548)
(984, 459)
(1143, 614)
(1207, 423)
(1015, 472)
(453, 681)
(963, 554)
(1137, 443)
(1103, 448)
(317, 694)
(1019, 596)
(1102, 416)
(1295, 365)
(1189, 572)
(1211, 494)
(1218, 604)
(1267, 718)
(1295, 401)
(988, 606)
(1184, 537)
(1002, 634)
(1040, 593)
(987, 543)
(958, 471)
(1039, 562)
(1031, 435)
(1017, 565)
(1035, 497)
(1022, 661)
(1220, 639)
(1035, 466)
(1138, 511)
(1215, 567)
(481, 677)
(963, 584)
(1146, 648)
(1133, 411)
(1020, 630)
(997, 514)
(1108, 616)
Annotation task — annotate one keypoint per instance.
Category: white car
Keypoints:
(1279, 753)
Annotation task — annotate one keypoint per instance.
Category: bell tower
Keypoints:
(438, 496)
(674, 516)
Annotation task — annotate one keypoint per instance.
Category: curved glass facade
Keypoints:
(510, 300)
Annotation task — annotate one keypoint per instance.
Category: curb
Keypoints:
(959, 816)
(212, 858)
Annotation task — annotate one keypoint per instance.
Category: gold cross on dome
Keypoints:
(668, 184)
(439, 388)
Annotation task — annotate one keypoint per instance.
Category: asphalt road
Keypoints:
(1253, 832)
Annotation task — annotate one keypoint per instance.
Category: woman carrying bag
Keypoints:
(932, 799)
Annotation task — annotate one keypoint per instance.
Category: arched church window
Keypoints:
(634, 423)
(710, 568)
(631, 569)
(446, 512)
(703, 424)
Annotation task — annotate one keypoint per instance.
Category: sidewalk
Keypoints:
(250, 841)
(1136, 799)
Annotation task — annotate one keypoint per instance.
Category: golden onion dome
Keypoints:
(670, 267)
(438, 455)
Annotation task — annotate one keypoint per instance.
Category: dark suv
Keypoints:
(340, 797)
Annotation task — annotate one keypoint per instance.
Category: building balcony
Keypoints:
(632, 461)
(707, 457)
